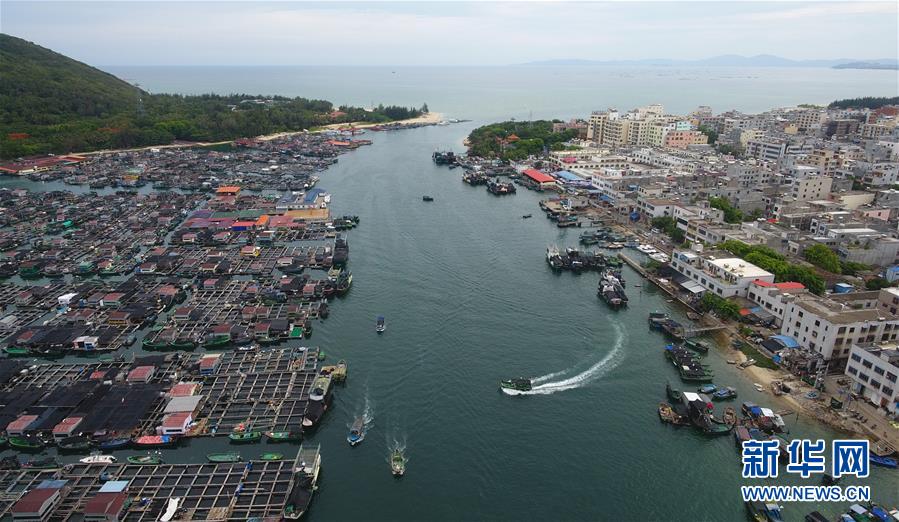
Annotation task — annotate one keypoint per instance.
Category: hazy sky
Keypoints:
(447, 33)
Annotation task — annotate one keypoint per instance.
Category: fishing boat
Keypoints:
(17, 351)
(223, 457)
(284, 436)
(398, 463)
(98, 459)
(357, 432)
(526, 216)
(725, 394)
(380, 324)
(3, 441)
(154, 441)
(321, 387)
(667, 414)
(74, 444)
(26, 443)
(707, 388)
(761, 512)
(244, 437)
(271, 456)
(113, 443)
(673, 395)
(45, 463)
(145, 460)
(304, 485)
(611, 290)
(696, 346)
(314, 412)
(885, 462)
(516, 386)
(427, 198)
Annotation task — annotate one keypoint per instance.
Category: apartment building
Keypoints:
(874, 370)
(723, 276)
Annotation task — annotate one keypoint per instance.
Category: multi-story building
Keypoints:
(774, 297)
(810, 188)
(831, 327)
(723, 276)
(681, 139)
(874, 370)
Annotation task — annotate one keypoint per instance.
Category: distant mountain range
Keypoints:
(735, 60)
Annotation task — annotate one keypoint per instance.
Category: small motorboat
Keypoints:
(398, 463)
(357, 431)
(45, 463)
(526, 216)
(724, 394)
(516, 386)
(245, 437)
(427, 198)
(380, 324)
(98, 459)
(708, 388)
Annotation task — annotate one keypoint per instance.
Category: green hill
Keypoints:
(50, 103)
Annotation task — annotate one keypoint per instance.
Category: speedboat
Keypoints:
(427, 198)
(398, 463)
(357, 432)
(380, 324)
(98, 459)
(516, 386)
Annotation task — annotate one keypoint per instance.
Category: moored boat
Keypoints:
(321, 387)
(154, 441)
(885, 462)
(145, 460)
(725, 394)
(284, 436)
(74, 444)
(26, 443)
(271, 456)
(98, 459)
(244, 437)
(113, 443)
(304, 485)
(45, 463)
(223, 457)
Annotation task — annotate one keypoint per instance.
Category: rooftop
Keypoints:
(739, 267)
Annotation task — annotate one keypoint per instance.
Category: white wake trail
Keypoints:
(606, 364)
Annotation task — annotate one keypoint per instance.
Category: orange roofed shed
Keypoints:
(228, 190)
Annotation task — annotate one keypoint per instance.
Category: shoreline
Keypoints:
(431, 118)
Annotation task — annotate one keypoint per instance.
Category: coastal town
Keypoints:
(775, 232)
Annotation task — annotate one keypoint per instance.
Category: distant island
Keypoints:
(868, 65)
(50, 103)
(729, 60)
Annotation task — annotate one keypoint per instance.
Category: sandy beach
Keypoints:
(431, 118)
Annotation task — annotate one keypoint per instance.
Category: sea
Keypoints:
(469, 299)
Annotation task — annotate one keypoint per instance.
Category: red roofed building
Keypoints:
(105, 507)
(141, 374)
(66, 427)
(176, 423)
(36, 504)
(183, 389)
(542, 180)
(18, 426)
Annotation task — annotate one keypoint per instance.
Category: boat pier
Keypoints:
(224, 491)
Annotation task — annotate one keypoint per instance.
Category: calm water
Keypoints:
(545, 92)
(469, 300)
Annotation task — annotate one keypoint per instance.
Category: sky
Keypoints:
(447, 33)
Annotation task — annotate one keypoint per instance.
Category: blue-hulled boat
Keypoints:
(708, 388)
(724, 394)
(357, 432)
(886, 462)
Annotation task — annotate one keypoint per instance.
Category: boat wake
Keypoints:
(545, 385)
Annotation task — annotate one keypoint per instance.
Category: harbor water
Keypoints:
(469, 300)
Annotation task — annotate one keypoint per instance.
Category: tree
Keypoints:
(731, 213)
(723, 307)
(823, 257)
(424, 109)
(713, 136)
(877, 283)
(732, 150)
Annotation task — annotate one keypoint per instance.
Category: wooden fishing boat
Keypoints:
(74, 444)
(223, 457)
(271, 456)
(45, 463)
(398, 463)
(245, 437)
(667, 414)
(145, 460)
(284, 436)
(26, 443)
